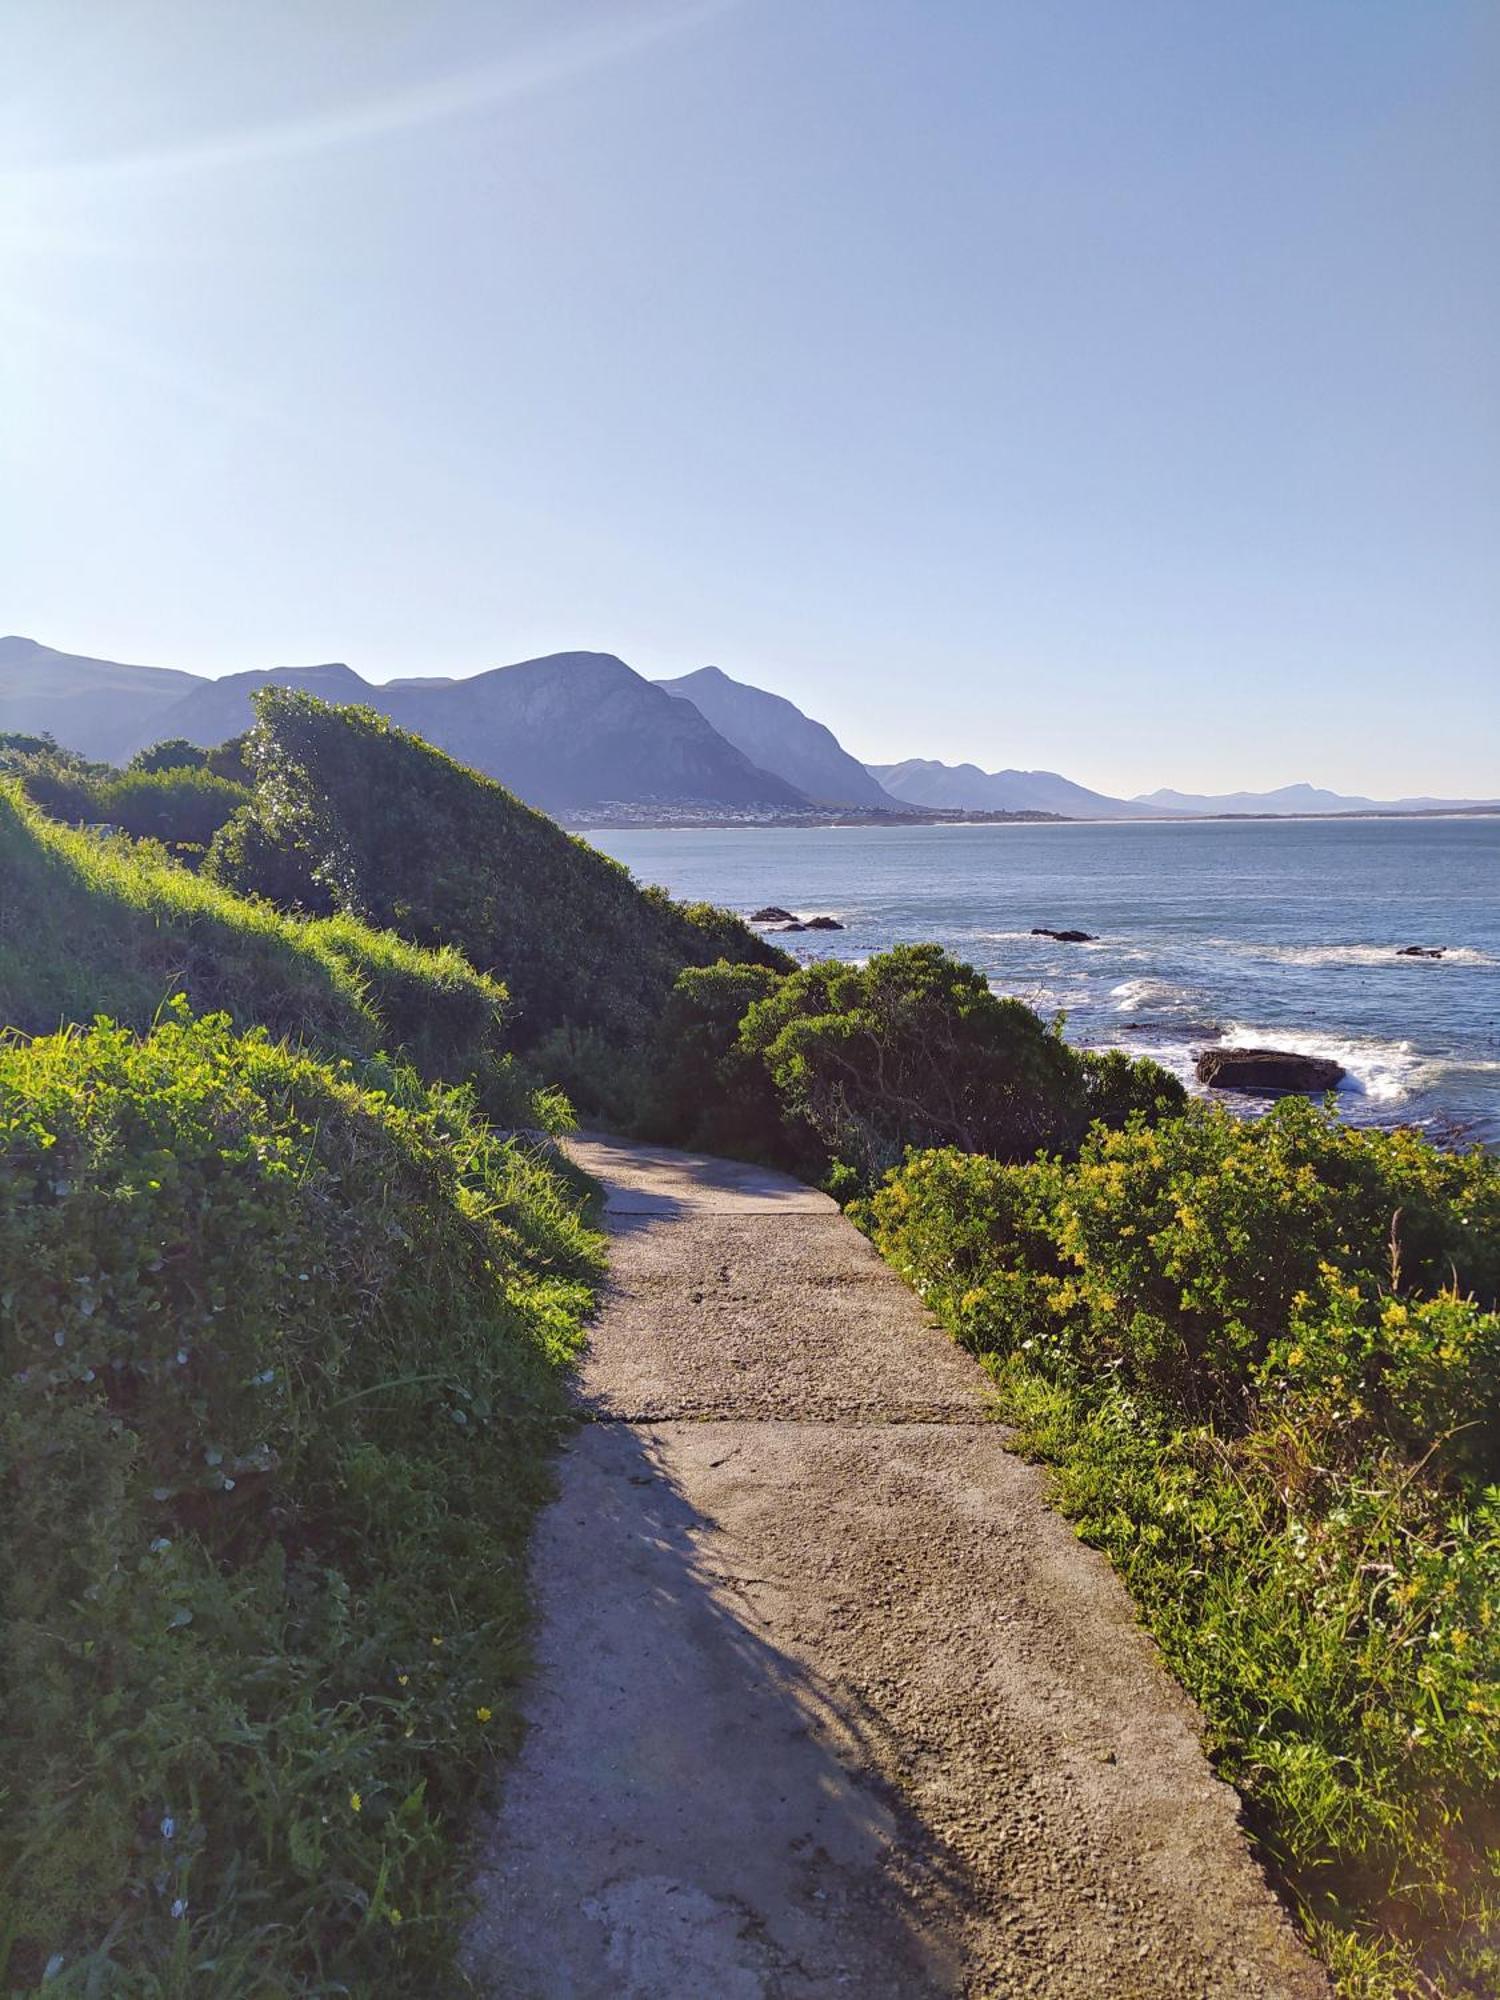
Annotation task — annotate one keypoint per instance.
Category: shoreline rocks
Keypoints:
(1064, 937)
(783, 921)
(1421, 951)
(1268, 1070)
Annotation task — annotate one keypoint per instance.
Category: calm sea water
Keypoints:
(1265, 932)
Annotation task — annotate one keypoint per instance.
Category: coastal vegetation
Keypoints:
(113, 926)
(282, 1347)
(173, 792)
(352, 814)
(290, 1278)
(1263, 1359)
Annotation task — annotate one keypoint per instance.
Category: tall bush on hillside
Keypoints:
(353, 814)
(913, 1049)
(172, 753)
(279, 1375)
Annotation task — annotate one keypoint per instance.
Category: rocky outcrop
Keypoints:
(1064, 937)
(1421, 951)
(1268, 1070)
(773, 914)
(824, 924)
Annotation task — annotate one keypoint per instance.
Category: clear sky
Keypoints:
(1106, 385)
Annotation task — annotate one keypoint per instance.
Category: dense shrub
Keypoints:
(353, 814)
(913, 1049)
(91, 926)
(182, 807)
(173, 753)
(58, 781)
(1264, 1357)
(169, 793)
(711, 1090)
(278, 1374)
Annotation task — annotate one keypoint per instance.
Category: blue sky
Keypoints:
(1105, 385)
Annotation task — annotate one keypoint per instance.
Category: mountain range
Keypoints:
(569, 732)
(965, 788)
(582, 733)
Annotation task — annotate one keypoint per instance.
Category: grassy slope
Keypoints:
(281, 1347)
(91, 926)
(376, 822)
(279, 1375)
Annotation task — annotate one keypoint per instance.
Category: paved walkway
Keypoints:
(828, 1702)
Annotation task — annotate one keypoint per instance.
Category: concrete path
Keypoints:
(828, 1701)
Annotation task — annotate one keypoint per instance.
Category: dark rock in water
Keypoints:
(823, 924)
(1421, 951)
(772, 915)
(792, 926)
(1268, 1070)
(1064, 937)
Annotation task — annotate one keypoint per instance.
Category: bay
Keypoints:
(1281, 933)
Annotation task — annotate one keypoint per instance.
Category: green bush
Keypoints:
(181, 807)
(353, 814)
(280, 1372)
(173, 753)
(1264, 1358)
(913, 1049)
(59, 782)
(711, 1091)
(91, 925)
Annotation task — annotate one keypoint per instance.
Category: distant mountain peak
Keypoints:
(775, 735)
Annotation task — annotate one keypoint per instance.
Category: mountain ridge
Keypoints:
(582, 731)
(777, 735)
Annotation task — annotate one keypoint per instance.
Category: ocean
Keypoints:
(1280, 933)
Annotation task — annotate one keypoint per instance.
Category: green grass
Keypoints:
(351, 813)
(280, 1370)
(92, 925)
(1253, 1356)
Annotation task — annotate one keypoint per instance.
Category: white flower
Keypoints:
(179, 1908)
(168, 1827)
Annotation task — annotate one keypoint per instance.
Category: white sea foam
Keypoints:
(1155, 996)
(1347, 954)
(1383, 1072)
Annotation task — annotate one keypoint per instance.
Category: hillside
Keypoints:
(774, 734)
(354, 814)
(98, 926)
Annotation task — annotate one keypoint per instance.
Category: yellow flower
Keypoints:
(402, 1679)
(482, 1714)
(355, 1802)
(1295, 1358)
(437, 1638)
(394, 1914)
